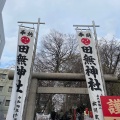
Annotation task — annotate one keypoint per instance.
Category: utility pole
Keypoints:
(99, 60)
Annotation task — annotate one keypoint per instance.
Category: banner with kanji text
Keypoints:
(92, 71)
(22, 73)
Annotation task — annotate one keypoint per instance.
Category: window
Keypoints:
(2, 76)
(1, 88)
(10, 89)
(7, 102)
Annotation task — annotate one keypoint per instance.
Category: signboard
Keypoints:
(22, 73)
(111, 107)
(92, 71)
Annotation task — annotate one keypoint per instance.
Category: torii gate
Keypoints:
(31, 98)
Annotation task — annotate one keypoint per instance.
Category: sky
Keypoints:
(60, 15)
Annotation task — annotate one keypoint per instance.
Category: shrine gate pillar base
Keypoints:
(31, 101)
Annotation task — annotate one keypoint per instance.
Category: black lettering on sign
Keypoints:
(80, 34)
(30, 34)
(23, 48)
(94, 103)
(19, 85)
(21, 71)
(87, 49)
(22, 32)
(92, 71)
(89, 59)
(94, 84)
(88, 35)
(21, 59)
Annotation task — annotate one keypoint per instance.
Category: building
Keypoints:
(5, 91)
(2, 37)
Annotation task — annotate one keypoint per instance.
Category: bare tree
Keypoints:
(110, 59)
(110, 55)
(57, 52)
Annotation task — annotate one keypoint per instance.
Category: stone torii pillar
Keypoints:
(31, 99)
(31, 104)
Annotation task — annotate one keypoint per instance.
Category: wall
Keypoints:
(4, 93)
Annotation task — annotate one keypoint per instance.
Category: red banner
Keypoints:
(111, 107)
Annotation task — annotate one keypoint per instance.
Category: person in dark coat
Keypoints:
(53, 115)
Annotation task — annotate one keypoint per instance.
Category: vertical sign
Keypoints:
(111, 107)
(22, 73)
(92, 71)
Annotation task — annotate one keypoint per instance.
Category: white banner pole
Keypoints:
(22, 73)
(92, 71)
(97, 48)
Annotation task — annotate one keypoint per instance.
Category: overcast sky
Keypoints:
(60, 15)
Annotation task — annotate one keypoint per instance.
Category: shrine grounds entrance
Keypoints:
(63, 105)
(30, 106)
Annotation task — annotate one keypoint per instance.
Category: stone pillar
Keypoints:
(30, 110)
